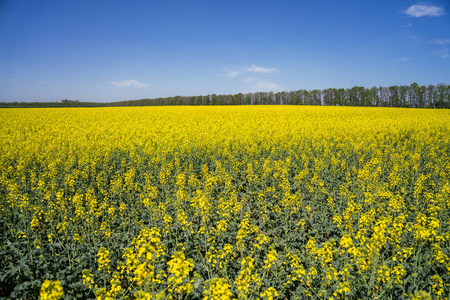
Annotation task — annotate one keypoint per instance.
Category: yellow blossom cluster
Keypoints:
(51, 290)
(233, 202)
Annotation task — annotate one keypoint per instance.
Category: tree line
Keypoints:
(413, 96)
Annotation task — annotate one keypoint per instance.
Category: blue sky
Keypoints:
(118, 50)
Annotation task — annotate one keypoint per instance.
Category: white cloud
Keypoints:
(232, 74)
(260, 85)
(441, 41)
(412, 37)
(264, 86)
(402, 59)
(424, 11)
(236, 71)
(130, 83)
(256, 69)
(443, 53)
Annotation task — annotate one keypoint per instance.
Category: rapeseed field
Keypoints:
(238, 202)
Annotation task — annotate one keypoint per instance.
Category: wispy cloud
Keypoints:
(261, 85)
(412, 37)
(236, 71)
(402, 59)
(257, 69)
(443, 53)
(130, 83)
(441, 41)
(232, 74)
(424, 11)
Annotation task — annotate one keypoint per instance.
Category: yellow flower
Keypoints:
(217, 289)
(271, 259)
(51, 290)
(103, 259)
(346, 241)
(87, 278)
(421, 295)
(269, 294)
(35, 224)
(50, 237)
(179, 269)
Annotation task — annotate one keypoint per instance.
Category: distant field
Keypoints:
(225, 202)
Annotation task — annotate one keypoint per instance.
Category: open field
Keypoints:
(239, 202)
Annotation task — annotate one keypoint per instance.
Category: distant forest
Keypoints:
(414, 96)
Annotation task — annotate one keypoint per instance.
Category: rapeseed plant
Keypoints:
(225, 203)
